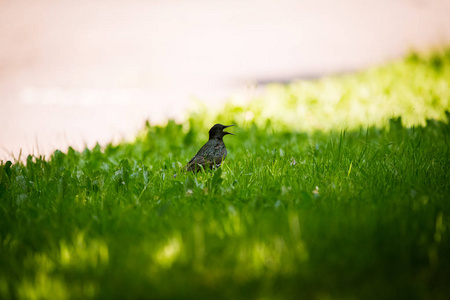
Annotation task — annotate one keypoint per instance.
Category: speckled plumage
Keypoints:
(212, 153)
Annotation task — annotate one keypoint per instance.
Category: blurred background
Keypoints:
(80, 72)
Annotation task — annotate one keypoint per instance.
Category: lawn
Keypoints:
(337, 188)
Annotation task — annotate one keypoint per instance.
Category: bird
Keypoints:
(212, 153)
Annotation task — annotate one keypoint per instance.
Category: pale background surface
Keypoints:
(77, 72)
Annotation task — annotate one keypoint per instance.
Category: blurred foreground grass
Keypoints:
(325, 194)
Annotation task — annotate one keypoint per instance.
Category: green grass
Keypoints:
(325, 195)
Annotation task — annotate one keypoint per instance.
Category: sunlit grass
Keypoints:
(336, 188)
(414, 89)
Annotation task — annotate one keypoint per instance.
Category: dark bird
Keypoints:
(212, 153)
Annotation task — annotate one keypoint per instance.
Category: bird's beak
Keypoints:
(226, 132)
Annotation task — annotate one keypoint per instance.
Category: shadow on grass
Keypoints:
(348, 214)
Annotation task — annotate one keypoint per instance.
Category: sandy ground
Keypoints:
(80, 72)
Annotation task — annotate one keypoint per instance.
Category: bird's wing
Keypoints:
(204, 158)
(204, 161)
(195, 163)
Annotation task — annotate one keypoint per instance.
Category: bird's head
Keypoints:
(216, 132)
